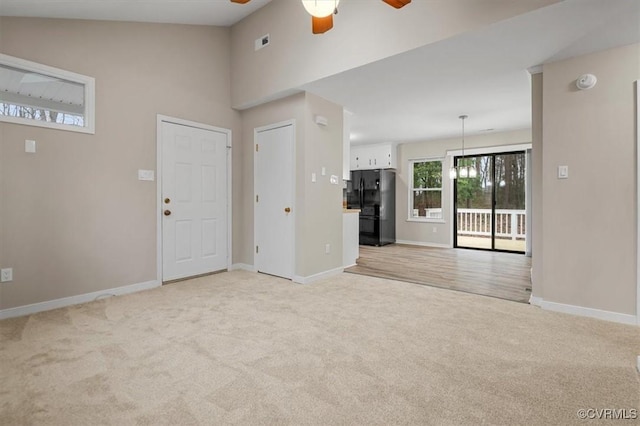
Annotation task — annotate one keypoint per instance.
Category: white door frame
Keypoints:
(256, 130)
(480, 151)
(173, 120)
(638, 205)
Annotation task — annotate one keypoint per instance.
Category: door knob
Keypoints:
(167, 212)
(287, 209)
(167, 200)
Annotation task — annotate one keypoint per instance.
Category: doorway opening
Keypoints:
(490, 211)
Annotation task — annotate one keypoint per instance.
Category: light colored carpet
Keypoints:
(246, 348)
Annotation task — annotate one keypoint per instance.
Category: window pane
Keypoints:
(28, 94)
(427, 204)
(427, 174)
(39, 95)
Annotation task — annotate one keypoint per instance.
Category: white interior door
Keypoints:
(274, 214)
(194, 201)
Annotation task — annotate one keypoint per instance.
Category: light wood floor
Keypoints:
(485, 243)
(502, 275)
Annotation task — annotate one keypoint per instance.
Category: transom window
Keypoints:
(425, 192)
(39, 95)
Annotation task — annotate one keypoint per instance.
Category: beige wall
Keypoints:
(423, 232)
(536, 186)
(323, 200)
(590, 219)
(295, 56)
(75, 219)
(318, 205)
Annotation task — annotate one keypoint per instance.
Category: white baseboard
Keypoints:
(422, 243)
(315, 277)
(242, 267)
(536, 301)
(75, 300)
(584, 312)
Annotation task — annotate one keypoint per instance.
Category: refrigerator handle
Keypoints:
(361, 184)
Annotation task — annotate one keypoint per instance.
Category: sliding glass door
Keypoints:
(489, 209)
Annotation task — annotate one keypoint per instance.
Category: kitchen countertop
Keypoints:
(350, 210)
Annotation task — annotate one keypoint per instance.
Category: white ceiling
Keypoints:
(196, 12)
(417, 95)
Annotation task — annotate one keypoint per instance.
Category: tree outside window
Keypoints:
(426, 189)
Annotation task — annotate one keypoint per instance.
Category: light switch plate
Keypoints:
(313, 177)
(29, 146)
(563, 172)
(6, 275)
(146, 175)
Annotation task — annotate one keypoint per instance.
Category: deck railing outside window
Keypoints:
(477, 222)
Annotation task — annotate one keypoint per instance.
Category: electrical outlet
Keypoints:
(6, 274)
(327, 248)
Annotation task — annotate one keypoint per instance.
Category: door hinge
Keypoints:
(257, 250)
(257, 199)
(256, 147)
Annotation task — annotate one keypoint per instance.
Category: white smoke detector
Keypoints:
(586, 81)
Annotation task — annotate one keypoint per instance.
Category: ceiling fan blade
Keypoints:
(240, 1)
(397, 3)
(321, 25)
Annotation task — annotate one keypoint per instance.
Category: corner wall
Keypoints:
(74, 217)
(590, 218)
(323, 200)
(318, 205)
(536, 186)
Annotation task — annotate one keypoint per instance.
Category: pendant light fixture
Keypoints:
(462, 171)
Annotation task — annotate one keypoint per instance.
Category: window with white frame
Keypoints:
(39, 95)
(425, 191)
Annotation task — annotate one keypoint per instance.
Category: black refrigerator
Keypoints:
(374, 193)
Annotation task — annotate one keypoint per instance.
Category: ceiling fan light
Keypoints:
(472, 172)
(320, 8)
(464, 172)
(397, 3)
(321, 25)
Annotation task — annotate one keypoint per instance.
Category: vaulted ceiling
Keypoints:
(417, 95)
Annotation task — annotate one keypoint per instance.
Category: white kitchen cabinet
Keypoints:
(368, 157)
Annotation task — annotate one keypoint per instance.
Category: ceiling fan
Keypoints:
(322, 11)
